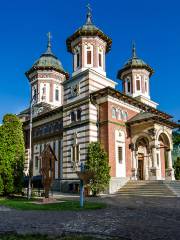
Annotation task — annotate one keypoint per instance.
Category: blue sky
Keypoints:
(153, 25)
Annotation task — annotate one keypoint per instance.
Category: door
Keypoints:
(141, 166)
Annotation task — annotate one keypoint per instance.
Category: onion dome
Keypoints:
(88, 29)
(48, 61)
(134, 63)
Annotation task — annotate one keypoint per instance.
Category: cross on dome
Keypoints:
(134, 50)
(89, 14)
(49, 43)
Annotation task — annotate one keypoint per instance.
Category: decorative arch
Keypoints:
(165, 135)
(142, 135)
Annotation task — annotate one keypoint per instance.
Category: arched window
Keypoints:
(77, 58)
(146, 86)
(100, 58)
(113, 112)
(120, 153)
(79, 114)
(57, 94)
(73, 117)
(35, 94)
(128, 85)
(124, 115)
(138, 83)
(89, 55)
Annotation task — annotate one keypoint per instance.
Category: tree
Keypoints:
(97, 162)
(12, 154)
(177, 169)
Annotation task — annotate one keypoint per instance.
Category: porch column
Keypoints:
(154, 157)
(134, 162)
(169, 170)
(134, 167)
(153, 175)
(169, 159)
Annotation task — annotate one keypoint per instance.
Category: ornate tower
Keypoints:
(88, 46)
(135, 75)
(46, 77)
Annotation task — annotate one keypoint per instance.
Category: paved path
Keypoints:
(129, 218)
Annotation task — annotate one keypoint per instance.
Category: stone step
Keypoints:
(146, 188)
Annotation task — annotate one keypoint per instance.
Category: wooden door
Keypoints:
(141, 166)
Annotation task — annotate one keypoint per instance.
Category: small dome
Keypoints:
(133, 63)
(48, 61)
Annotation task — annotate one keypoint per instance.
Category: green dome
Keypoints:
(48, 61)
(88, 29)
(134, 63)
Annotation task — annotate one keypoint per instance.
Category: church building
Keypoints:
(69, 112)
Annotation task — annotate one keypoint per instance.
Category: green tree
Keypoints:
(12, 154)
(177, 169)
(97, 162)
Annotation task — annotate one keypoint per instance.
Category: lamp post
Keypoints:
(82, 187)
(29, 190)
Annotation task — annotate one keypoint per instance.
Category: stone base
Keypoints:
(153, 173)
(170, 174)
(116, 183)
(134, 174)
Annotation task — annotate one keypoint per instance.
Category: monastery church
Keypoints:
(69, 112)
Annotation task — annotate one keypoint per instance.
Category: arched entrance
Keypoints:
(164, 160)
(142, 151)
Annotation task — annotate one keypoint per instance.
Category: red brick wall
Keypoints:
(108, 125)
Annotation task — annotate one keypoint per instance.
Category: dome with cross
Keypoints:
(48, 61)
(88, 29)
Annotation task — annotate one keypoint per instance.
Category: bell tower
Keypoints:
(46, 77)
(89, 46)
(135, 76)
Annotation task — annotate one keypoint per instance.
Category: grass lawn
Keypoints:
(23, 204)
(40, 237)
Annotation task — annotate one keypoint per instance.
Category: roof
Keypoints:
(88, 29)
(115, 93)
(141, 116)
(147, 116)
(48, 61)
(134, 63)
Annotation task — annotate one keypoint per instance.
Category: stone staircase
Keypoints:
(147, 189)
(174, 186)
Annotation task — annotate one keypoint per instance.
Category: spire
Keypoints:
(89, 15)
(134, 50)
(48, 51)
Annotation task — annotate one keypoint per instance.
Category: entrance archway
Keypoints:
(142, 151)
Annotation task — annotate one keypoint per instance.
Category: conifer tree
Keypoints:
(97, 162)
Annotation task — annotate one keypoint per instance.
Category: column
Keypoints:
(153, 170)
(169, 159)
(169, 170)
(154, 157)
(134, 165)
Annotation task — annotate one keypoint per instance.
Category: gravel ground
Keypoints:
(126, 218)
